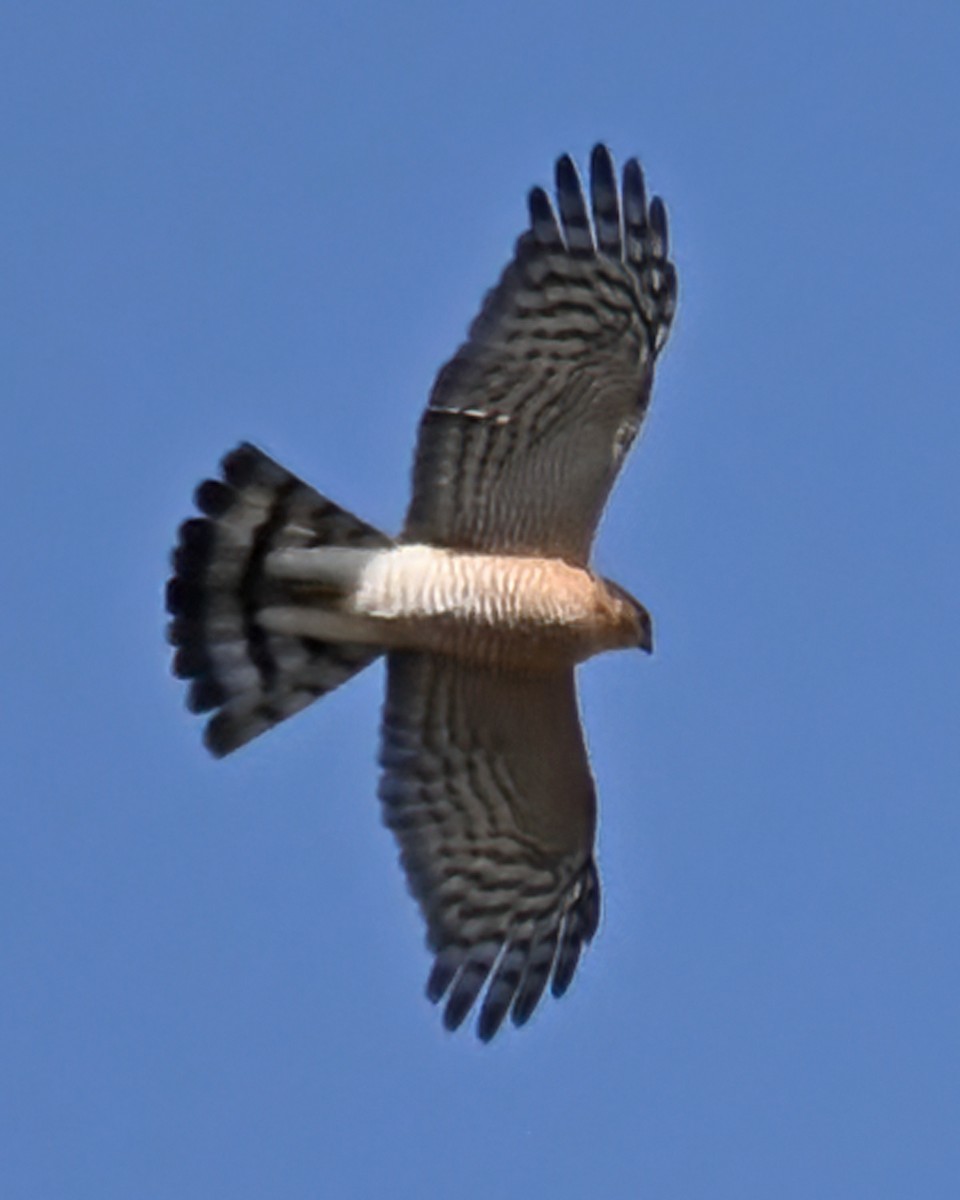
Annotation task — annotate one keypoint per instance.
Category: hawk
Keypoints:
(483, 606)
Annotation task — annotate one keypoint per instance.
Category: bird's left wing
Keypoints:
(487, 787)
(529, 422)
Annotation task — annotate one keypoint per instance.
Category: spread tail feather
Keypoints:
(252, 676)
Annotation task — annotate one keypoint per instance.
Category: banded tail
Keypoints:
(252, 678)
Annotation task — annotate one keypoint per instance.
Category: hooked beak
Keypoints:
(645, 641)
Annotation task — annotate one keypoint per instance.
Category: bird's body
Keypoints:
(513, 611)
(483, 606)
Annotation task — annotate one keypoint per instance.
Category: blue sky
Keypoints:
(274, 222)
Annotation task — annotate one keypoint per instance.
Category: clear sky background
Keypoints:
(274, 221)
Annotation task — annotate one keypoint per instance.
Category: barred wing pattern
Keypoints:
(487, 788)
(528, 424)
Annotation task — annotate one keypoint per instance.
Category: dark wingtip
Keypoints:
(566, 174)
(606, 202)
(489, 1021)
(634, 194)
(601, 160)
(580, 925)
(658, 222)
(468, 985)
(569, 191)
(526, 1003)
(574, 216)
(502, 989)
(568, 956)
(543, 220)
(456, 1011)
(441, 976)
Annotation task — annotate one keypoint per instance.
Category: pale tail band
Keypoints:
(248, 676)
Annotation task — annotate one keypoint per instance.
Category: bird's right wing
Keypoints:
(487, 787)
(529, 423)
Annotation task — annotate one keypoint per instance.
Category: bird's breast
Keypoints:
(504, 609)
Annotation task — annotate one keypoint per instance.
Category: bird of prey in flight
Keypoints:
(483, 606)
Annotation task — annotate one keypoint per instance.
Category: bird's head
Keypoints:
(636, 621)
